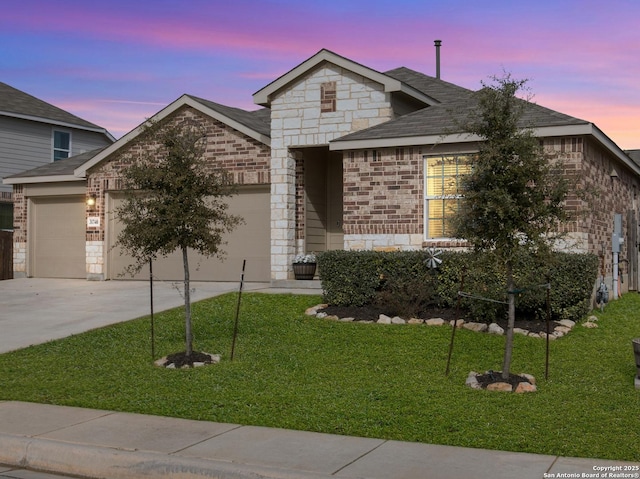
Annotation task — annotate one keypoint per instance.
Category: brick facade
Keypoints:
(383, 198)
(246, 159)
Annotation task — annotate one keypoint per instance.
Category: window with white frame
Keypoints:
(443, 174)
(61, 145)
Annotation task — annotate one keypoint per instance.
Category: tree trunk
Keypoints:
(508, 347)
(187, 304)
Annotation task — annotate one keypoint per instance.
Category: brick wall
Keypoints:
(245, 158)
(383, 198)
(383, 204)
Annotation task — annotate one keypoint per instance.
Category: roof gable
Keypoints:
(251, 124)
(264, 96)
(18, 104)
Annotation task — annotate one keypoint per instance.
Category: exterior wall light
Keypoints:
(91, 201)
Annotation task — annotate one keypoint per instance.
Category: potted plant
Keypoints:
(304, 266)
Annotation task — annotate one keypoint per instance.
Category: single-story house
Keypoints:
(340, 156)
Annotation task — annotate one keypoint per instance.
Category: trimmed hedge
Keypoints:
(402, 282)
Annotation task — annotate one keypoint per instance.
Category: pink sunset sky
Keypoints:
(116, 63)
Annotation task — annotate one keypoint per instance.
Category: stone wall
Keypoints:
(302, 117)
(19, 232)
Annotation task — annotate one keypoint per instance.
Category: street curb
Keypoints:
(59, 457)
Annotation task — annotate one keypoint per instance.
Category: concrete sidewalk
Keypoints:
(102, 444)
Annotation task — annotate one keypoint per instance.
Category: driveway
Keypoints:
(35, 310)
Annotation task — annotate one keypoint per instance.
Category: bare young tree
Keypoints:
(174, 201)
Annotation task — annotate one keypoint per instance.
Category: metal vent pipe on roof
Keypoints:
(437, 43)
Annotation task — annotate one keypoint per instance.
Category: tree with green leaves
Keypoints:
(174, 200)
(514, 197)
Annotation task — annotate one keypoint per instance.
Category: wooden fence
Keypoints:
(6, 255)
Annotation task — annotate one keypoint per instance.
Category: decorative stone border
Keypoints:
(563, 327)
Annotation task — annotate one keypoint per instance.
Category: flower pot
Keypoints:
(304, 270)
(636, 352)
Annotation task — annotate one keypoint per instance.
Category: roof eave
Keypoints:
(63, 124)
(402, 141)
(22, 180)
(587, 129)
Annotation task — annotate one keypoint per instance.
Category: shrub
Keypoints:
(402, 282)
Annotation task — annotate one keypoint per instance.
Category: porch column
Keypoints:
(283, 221)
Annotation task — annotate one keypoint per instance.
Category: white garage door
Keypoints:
(250, 241)
(57, 237)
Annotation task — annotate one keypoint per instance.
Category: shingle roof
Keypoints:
(14, 102)
(63, 167)
(258, 120)
(634, 155)
(456, 103)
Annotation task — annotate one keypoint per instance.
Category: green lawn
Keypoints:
(383, 381)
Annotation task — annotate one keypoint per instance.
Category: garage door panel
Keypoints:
(58, 237)
(248, 241)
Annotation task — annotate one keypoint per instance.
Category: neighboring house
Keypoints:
(34, 133)
(340, 157)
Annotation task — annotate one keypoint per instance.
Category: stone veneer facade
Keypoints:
(297, 121)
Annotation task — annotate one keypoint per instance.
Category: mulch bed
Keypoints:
(371, 312)
(492, 377)
(181, 359)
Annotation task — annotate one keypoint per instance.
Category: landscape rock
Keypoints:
(332, 317)
(567, 322)
(314, 309)
(563, 329)
(477, 327)
(384, 319)
(524, 332)
(347, 320)
(494, 328)
(506, 387)
(398, 320)
(415, 321)
(528, 377)
(592, 318)
(458, 323)
(321, 315)
(525, 387)
(590, 325)
(434, 322)
(472, 380)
